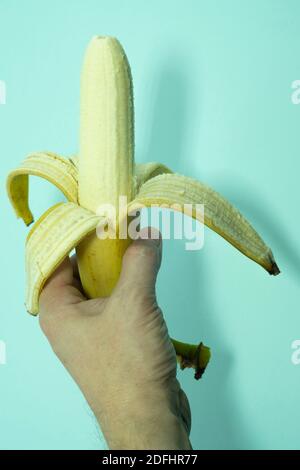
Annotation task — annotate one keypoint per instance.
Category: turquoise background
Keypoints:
(212, 83)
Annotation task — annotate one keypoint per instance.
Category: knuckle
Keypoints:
(140, 248)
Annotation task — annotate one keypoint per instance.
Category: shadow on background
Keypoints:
(276, 234)
(186, 288)
(167, 123)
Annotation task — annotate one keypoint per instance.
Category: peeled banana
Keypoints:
(104, 171)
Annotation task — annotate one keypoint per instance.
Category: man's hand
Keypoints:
(119, 352)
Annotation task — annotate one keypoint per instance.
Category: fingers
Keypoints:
(141, 262)
(63, 275)
(140, 266)
(60, 289)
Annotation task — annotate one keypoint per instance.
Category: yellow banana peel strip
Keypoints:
(177, 190)
(59, 171)
(142, 171)
(145, 171)
(50, 240)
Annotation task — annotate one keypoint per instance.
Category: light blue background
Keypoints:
(212, 82)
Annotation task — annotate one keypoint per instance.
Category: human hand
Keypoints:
(119, 352)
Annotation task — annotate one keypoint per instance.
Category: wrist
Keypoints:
(157, 430)
(153, 423)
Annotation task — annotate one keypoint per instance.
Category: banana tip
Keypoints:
(274, 271)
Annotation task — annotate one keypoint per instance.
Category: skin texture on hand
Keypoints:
(118, 351)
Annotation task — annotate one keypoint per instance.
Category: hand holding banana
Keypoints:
(104, 171)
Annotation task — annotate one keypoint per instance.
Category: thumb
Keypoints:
(141, 263)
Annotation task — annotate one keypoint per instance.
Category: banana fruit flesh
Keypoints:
(104, 171)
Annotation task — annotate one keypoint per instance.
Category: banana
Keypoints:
(177, 190)
(59, 171)
(56, 233)
(105, 171)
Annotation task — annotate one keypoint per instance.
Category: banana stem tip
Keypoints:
(274, 271)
